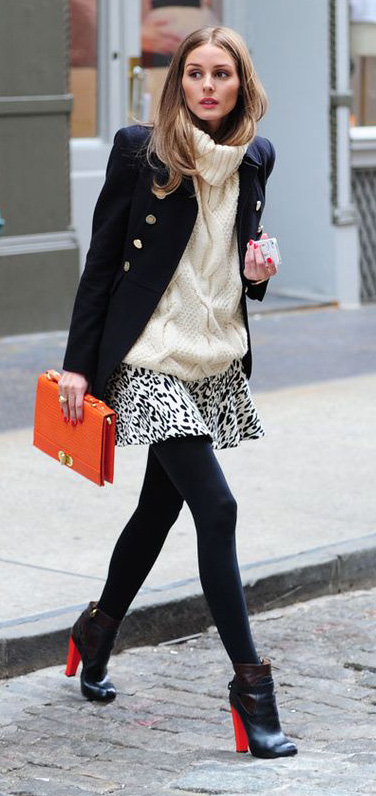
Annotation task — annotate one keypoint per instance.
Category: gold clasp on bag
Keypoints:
(64, 458)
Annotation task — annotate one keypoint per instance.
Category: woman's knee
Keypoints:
(222, 514)
(163, 509)
(228, 507)
(173, 508)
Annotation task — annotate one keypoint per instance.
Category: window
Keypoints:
(84, 67)
(165, 23)
(363, 62)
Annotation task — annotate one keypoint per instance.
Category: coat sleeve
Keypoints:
(268, 160)
(103, 259)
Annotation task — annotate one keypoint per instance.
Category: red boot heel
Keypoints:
(92, 639)
(241, 740)
(255, 714)
(73, 659)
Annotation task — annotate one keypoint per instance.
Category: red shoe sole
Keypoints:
(73, 659)
(241, 740)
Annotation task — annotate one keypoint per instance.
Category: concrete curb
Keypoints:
(180, 610)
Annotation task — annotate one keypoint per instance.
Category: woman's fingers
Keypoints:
(79, 407)
(63, 399)
(72, 408)
(72, 387)
(255, 267)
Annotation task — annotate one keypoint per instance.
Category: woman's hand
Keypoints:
(157, 36)
(256, 269)
(73, 387)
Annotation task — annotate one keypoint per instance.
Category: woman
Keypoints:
(160, 330)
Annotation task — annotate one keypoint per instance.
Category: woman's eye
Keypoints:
(197, 74)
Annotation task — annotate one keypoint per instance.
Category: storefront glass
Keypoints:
(363, 62)
(84, 67)
(164, 24)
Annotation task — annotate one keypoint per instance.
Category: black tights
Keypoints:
(181, 469)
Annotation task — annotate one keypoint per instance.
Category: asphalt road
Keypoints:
(289, 349)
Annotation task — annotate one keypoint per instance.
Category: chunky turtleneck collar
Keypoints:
(216, 162)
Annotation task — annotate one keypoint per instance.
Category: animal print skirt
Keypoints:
(152, 406)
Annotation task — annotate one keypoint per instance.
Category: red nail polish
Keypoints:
(269, 260)
(250, 242)
(256, 245)
(73, 422)
(66, 420)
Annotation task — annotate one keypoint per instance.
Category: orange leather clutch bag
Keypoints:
(89, 447)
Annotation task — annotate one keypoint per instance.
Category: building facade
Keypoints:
(318, 64)
(39, 260)
(320, 119)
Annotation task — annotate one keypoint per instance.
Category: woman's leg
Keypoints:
(94, 633)
(192, 467)
(142, 539)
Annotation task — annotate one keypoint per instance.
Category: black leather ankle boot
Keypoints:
(92, 639)
(254, 712)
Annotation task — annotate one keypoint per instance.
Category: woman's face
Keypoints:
(210, 84)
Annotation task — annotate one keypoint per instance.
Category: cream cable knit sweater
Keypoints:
(197, 328)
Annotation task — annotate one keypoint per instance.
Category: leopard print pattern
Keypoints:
(153, 406)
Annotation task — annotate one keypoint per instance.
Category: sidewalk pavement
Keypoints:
(169, 732)
(306, 496)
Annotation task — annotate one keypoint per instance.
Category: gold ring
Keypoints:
(62, 399)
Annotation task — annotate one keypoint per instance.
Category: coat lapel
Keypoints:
(247, 172)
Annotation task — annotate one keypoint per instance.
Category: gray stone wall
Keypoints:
(38, 250)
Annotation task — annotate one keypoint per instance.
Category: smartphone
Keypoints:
(269, 248)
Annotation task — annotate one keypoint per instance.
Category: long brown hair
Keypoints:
(172, 140)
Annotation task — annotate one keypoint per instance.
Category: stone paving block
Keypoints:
(203, 742)
(342, 744)
(139, 774)
(44, 787)
(317, 709)
(169, 709)
(364, 758)
(44, 727)
(68, 760)
(218, 778)
(163, 738)
(203, 701)
(145, 756)
(368, 680)
(11, 713)
(11, 760)
(270, 777)
(192, 725)
(71, 781)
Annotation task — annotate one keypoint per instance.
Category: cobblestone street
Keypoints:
(169, 731)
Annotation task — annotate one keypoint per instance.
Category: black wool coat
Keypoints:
(137, 242)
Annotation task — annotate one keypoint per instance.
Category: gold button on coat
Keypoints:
(126, 265)
(258, 204)
(150, 219)
(137, 243)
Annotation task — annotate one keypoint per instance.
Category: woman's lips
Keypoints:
(209, 102)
